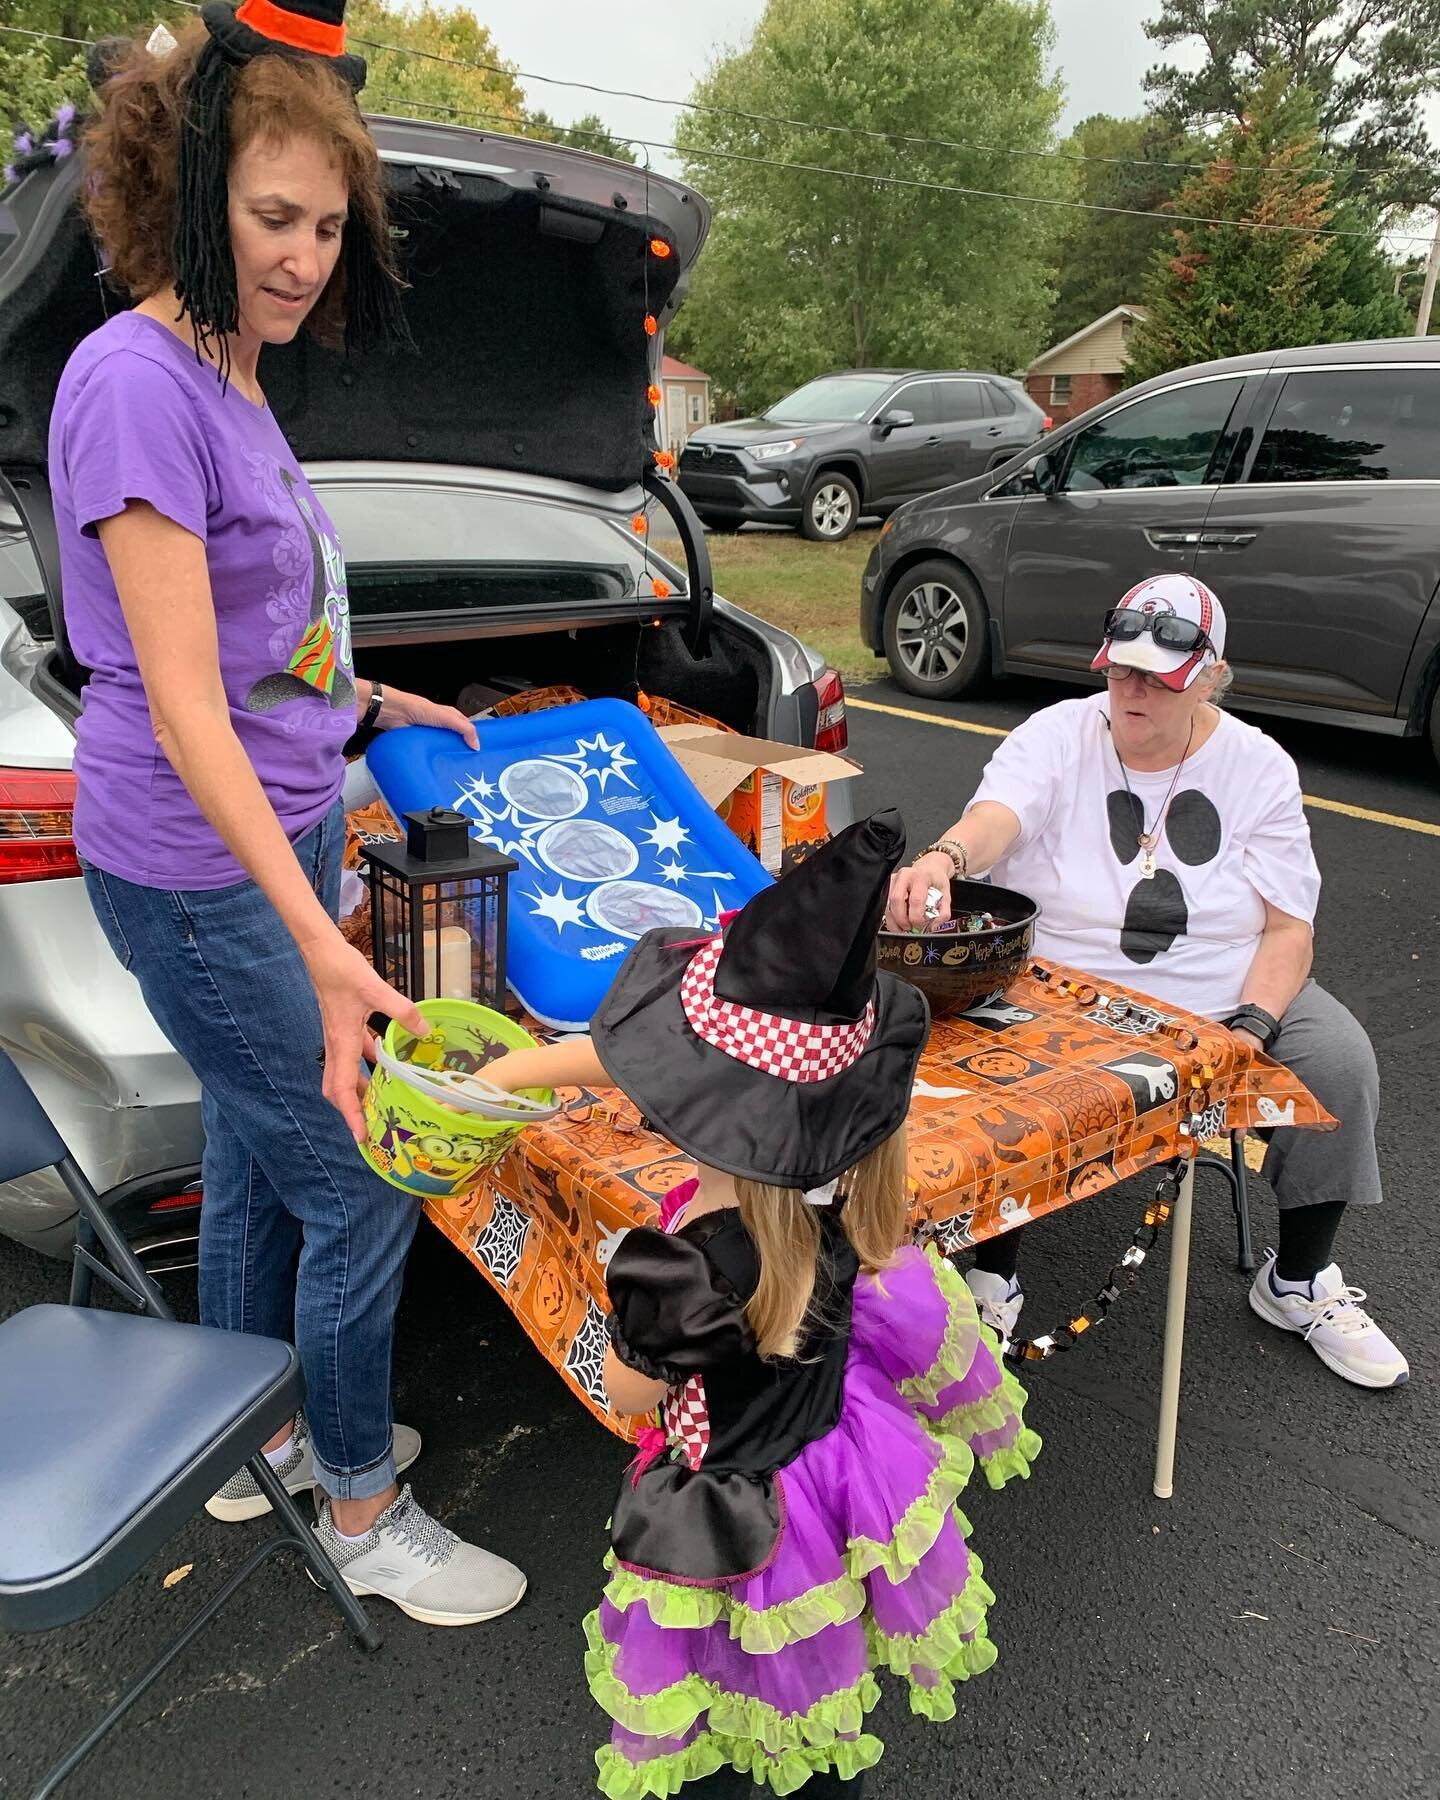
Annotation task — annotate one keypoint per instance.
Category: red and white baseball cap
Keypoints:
(1183, 597)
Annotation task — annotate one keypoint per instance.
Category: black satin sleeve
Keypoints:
(673, 1315)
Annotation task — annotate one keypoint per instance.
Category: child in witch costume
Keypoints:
(823, 1389)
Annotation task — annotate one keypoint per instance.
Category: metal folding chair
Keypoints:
(118, 1428)
(1234, 1170)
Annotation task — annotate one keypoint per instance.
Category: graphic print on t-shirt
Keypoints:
(1156, 914)
(320, 662)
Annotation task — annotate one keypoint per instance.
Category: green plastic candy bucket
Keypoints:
(416, 1142)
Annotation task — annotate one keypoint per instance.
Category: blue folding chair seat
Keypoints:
(118, 1429)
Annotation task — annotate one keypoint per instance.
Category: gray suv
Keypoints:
(484, 491)
(864, 441)
(1303, 485)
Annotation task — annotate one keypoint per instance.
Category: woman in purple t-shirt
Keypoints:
(205, 590)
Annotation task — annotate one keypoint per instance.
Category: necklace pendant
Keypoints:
(1147, 864)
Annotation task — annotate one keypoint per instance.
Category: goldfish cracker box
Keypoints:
(772, 796)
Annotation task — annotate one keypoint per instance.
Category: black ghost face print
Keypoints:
(1156, 913)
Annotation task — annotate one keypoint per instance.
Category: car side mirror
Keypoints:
(894, 420)
(1044, 473)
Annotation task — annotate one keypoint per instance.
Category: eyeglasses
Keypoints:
(1117, 675)
(1169, 630)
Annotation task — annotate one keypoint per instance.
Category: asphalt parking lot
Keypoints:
(1268, 1632)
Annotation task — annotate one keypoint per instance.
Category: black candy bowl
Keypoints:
(957, 969)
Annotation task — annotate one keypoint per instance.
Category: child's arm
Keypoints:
(629, 1391)
(571, 1063)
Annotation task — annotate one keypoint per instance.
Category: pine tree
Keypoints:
(1264, 277)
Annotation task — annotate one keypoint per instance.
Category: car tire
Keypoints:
(1435, 723)
(935, 632)
(831, 508)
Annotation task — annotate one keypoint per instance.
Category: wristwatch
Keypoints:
(372, 711)
(1257, 1022)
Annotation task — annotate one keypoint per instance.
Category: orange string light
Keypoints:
(639, 524)
(659, 248)
(653, 394)
(660, 588)
(652, 324)
(665, 459)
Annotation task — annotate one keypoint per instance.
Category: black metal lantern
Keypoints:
(437, 911)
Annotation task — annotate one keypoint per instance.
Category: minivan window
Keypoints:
(831, 398)
(1375, 424)
(1169, 439)
(416, 549)
(960, 402)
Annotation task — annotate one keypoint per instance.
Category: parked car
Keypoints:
(1303, 485)
(864, 441)
(477, 553)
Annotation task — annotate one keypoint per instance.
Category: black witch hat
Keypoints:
(204, 269)
(775, 1052)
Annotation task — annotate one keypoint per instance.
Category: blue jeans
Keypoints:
(298, 1238)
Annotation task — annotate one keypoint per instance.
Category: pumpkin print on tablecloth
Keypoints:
(549, 1297)
(657, 1178)
(932, 1161)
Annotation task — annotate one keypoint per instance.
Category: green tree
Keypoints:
(807, 272)
(1370, 66)
(1223, 289)
(589, 132)
(1103, 258)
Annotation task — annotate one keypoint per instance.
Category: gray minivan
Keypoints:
(1303, 485)
(485, 491)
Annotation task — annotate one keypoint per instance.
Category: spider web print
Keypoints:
(585, 1359)
(502, 1242)
(954, 1234)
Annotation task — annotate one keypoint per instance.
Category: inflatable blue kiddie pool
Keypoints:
(611, 837)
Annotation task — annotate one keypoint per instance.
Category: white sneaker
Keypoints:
(1334, 1324)
(998, 1299)
(419, 1564)
(240, 1498)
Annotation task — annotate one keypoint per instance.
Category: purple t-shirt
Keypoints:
(137, 417)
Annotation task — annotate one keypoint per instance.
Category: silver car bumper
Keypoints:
(125, 1103)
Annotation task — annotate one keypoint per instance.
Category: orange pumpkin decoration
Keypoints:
(550, 1296)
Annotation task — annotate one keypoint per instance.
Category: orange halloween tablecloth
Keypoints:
(1022, 1106)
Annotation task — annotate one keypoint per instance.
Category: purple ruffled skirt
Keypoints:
(773, 1676)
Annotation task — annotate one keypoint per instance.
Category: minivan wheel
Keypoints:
(1435, 723)
(832, 508)
(934, 631)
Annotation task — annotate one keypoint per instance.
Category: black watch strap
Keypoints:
(372, 710)
(1256, 1020)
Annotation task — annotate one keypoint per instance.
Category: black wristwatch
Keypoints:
(1257, 1022)
(372, 711)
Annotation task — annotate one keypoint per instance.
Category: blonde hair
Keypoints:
(786, 1233)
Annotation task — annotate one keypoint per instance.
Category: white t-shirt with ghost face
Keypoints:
(1235, 836)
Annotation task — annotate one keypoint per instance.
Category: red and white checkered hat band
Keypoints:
(788, 1048)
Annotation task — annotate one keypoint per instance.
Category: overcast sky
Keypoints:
(1101, 51)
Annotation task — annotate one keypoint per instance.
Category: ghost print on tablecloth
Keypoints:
(1156, 913)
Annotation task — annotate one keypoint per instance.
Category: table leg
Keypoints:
(1174, 1334)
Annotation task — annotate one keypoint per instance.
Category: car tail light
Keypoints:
(1047, 423)
(36, 825)
(173, 1202)
(832, 727)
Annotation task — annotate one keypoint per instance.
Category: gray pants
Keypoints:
(1327, 1047)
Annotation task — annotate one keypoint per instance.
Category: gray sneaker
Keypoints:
(421, 1565)
(240, 1498)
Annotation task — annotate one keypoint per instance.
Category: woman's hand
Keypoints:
(909, 888)
(401, 708)
(349, 990)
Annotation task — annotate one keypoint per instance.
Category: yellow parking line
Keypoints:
(1397, 821)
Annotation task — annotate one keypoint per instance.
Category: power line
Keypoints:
(910, 183)
(759, 118)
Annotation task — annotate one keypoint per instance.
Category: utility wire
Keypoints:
(711, 152)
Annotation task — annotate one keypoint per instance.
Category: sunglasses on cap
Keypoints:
(1123, 625)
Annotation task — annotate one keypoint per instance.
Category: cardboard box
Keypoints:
(772, 796)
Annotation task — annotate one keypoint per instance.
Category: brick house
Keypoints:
(687, 402)
(1086, 368)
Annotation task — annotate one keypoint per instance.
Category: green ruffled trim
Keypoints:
(975, 1417)
(1015, 1459)
(922, 1521)
(673, 1710)
(760, 1630)
(620, 1779)
(957, 1347)
(956, 1643)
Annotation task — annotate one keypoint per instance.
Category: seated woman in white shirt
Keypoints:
(1168, 849)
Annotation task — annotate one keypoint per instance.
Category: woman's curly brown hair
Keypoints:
(132, 157)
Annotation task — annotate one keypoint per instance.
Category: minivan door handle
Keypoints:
(1175, 540)
(1234, 540)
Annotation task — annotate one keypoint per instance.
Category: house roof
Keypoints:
(678, 371)
(1085, 331)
